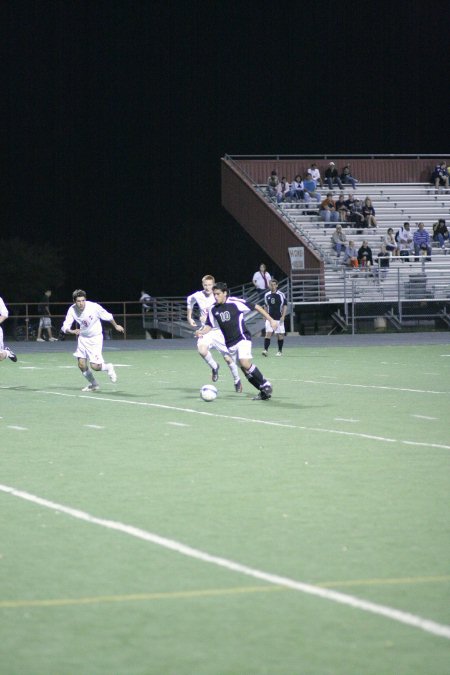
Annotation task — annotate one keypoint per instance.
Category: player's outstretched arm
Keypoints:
(118, 327)
(267, 316)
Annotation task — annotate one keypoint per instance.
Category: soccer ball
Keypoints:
(208, 392)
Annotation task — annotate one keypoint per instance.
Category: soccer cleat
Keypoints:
(52, 339)
(112, 374)
(215, 374)
(266, 389)
(261, 397)
(91, 387)
(238, 387)
(10, 354)
(265, 353)
(279, 354)
(40, 340)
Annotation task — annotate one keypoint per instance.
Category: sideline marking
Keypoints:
(96, 397)
(364, 386)
(426, 625)
(16, 428)
(203, 593)
(424, 417)
(93, 426)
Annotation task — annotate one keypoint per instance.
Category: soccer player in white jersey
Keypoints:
(214, 339)
(87, 316)
(5, 352)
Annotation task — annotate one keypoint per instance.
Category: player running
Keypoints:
(228, 315)
(214, 339)
(5, 352)
(90, 337)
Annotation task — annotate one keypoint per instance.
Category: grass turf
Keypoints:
(341, 480)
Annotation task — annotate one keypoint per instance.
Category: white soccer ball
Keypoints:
(208, 392)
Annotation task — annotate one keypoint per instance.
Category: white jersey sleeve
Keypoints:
(3, 309)
(205, 302)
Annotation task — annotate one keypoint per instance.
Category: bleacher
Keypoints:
(394, 203)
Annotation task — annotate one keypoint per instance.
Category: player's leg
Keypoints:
(83, 365)
(6, 352)
(269, 333)
(280, 333)
(39, 333)
(203, 349)
(252, 372)
(217, 341)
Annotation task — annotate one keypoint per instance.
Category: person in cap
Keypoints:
(332, 176)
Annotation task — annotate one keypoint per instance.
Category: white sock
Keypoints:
(107, 366)
(234, 371)
(209, 360)
(89, 375)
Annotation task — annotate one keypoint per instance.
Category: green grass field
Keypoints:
(339, 483)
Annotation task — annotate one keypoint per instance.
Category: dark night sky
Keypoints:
(117, 113)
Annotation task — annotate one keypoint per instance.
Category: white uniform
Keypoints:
(90, 339)
(213, 339)
(3, 312)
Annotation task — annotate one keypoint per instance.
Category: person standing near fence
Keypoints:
(45, 321)
(5, 352)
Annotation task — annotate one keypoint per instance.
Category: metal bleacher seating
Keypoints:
(394, 203)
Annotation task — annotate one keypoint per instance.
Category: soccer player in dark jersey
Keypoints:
(228, 315)
(276, 305)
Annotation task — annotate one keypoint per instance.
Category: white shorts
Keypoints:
(90, 348)
(1, 338)
(45, 322)
(279, 331)
(241, 350)
(214, 340)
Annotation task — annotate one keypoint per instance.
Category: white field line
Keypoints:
(363, 386)
(235, 418)
(413, 620)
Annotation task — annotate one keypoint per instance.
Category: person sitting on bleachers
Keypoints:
(338, 240)
(369, 213)
(297, 189)
(422, 241)
(440, 232)
(351, 255)
(341, 208)
(390, 242)
(332, 176)
(346, 177)
(314, 172)
(283, 191)
(354, 210)
(310, 187)
(365, 255)
(273, 183)
(440, 176)
(405, 240)
(327, 211)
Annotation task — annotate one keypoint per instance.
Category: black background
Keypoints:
(116, 115)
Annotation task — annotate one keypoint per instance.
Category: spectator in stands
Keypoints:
(383, 259)
(297, 190)
(422, 241)
(440, 176)
(369, 213)
(365, 255)
(327, 210)
(273, 183)
(310, 187)
(338, 240)
(332, 176)
(346, 177)
(354, 211)
(440, 232)
(283, 189)
(405, 241)
(351, 255)
(341, 208)
(390, 242)
(261, 280)
(314, 172)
